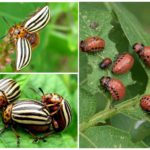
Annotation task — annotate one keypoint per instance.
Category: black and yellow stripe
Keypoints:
(38, 21)
(24, 53)
(66, 112)
(63, 117)
(30, 112)
(10, 89)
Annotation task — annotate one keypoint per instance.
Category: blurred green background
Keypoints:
(58, 48)
(140, 10)
(65, 85)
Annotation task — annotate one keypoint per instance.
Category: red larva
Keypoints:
(105, 63)
(143, 52)
(145, 103)
(92, 44)
(114, 86)
(123, 64)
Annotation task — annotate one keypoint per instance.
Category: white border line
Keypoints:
(75, 1)
(40, 1)
(76, 73)
(113, 1)
(78, 85)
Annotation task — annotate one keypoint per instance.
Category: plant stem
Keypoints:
(103, 115)
(147, 91)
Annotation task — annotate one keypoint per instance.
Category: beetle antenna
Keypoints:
(34, 91)
(3, 36)
(41, 91)
(5, 20)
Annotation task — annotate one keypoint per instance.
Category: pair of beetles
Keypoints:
(52, 114)
(122, 64)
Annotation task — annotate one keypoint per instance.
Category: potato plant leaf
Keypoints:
(116, 25)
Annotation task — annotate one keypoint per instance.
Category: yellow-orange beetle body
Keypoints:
(25, 36)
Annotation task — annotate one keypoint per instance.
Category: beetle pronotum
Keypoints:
(25, 36)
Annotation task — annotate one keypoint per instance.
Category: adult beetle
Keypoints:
(31, 115)
(25, 36)
(59, 109)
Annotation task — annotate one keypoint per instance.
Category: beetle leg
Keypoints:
(33, 135)
(53, 113)
(49, 105)
(36, 138)
(3, 129)
(45, 135)
(17, 136)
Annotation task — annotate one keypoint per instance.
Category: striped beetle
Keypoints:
(9, 91)
(59, 109)
(29, 114)
(25, 36)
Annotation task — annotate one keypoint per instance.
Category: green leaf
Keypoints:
(130, 25)
(86, 100)
(107, 137)
(120, 30)
(140, 130)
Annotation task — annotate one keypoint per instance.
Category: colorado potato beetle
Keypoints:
(25, 36)
(114, 86)
(92, 44)
(105, 63)
(143, 52)
(9, 91)
(29, 114)
(145, 103)
(59, 109)
(123, 63)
